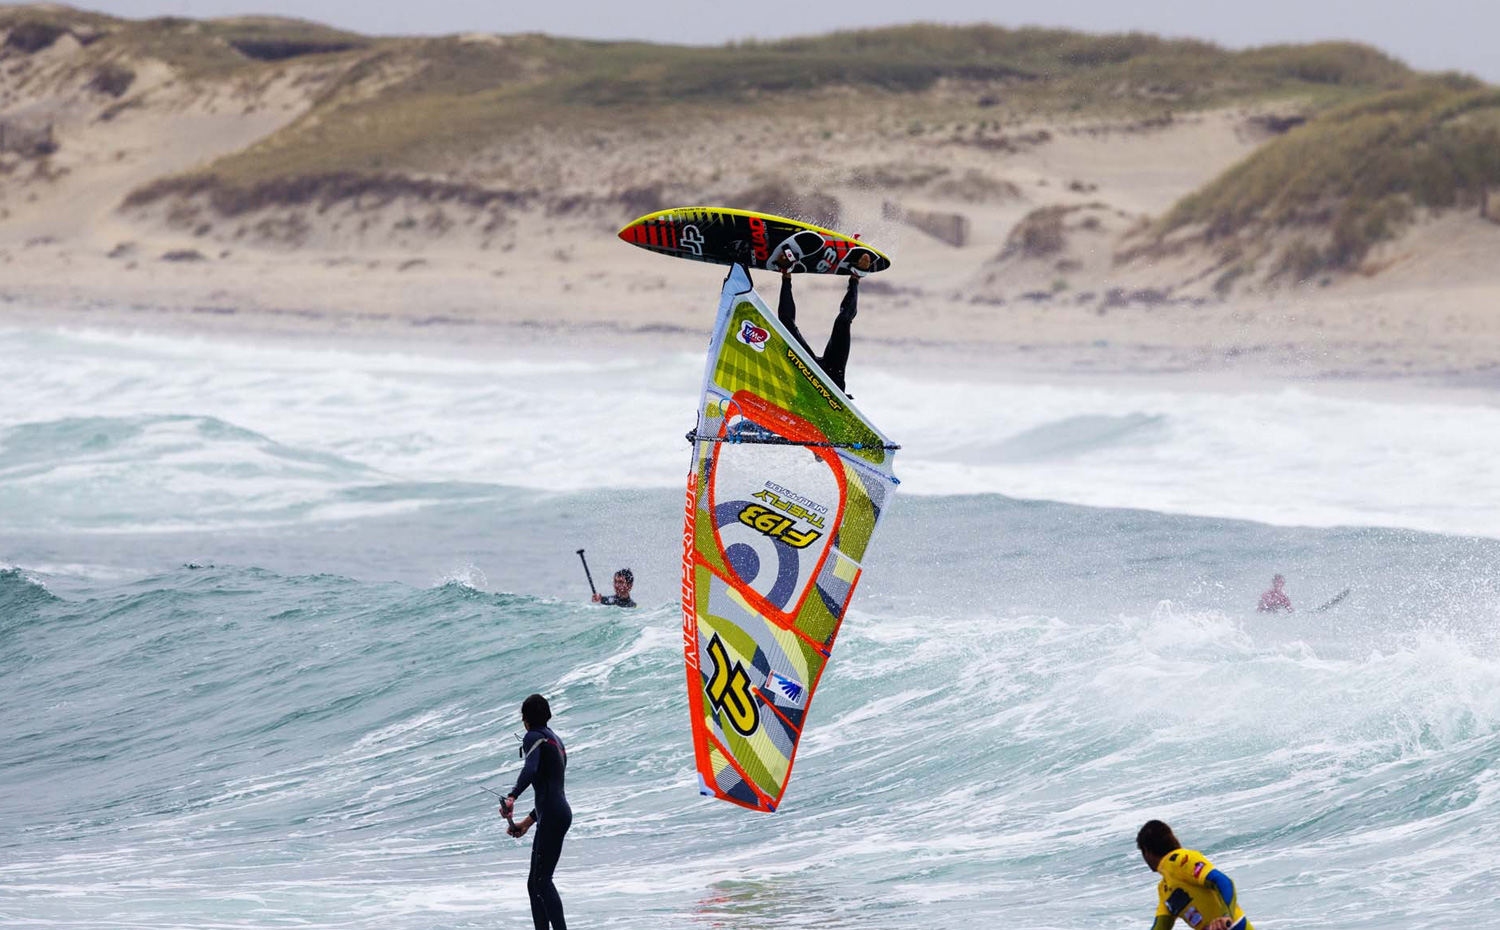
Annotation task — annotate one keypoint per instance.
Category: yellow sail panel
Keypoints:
(789, 481)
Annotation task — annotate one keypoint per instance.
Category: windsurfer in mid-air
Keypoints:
(544, 762)
(836, 354)
(1275, 599)
(624, 581)
(1191, 888)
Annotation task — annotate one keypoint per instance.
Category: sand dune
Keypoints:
(1036, 262)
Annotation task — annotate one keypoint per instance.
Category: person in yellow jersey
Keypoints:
(1191, 888)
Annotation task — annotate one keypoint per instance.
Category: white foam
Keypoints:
(1287, 456)
(468, 575)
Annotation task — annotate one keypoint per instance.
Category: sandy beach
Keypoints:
(1018, 246)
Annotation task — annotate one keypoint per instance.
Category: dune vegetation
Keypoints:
(408, 104)
(1377, 145)
(457, 95)
(1353, 177)
(198, 49)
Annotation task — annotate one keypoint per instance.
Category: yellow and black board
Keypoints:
(723, 236)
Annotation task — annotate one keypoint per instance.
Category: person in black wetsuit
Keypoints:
(836, 354)
(544, 761)
(624, 581)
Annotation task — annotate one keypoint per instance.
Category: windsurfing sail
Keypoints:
(789, 481)
(1333, 601)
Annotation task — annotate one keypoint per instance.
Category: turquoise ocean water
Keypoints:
(267, 616)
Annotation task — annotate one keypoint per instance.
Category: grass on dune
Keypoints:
(1357, 174)
(459, 96)
(198, 49)
(1055, 68)
(1383, 143)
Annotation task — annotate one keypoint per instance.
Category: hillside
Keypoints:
(427, 105)
(1320, 199)
(283, 165)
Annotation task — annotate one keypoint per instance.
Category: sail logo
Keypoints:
(753, 336)
(786, 687)
(817, 382)
(773, 499)
(777, 527)
(689, 606)
(729, 690)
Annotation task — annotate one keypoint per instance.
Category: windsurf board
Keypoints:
(714, 234)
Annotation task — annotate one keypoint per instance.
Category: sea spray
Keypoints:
(180, 742)
(271, 614)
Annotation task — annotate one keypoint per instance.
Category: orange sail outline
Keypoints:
(788, 484)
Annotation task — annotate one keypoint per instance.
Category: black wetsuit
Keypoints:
(836, 355)
(545, 761)
(614, 601)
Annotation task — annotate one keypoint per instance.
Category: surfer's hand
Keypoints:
(518, 830)
(597, 598)
(1221, 923)
(784, 261)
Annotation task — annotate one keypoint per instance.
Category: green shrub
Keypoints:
(1300, 260)
(113, 79)
(1359, 172)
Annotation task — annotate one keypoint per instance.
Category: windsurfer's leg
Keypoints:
(538, 905)
(836, 355)
(546, 903)
(786, 312)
